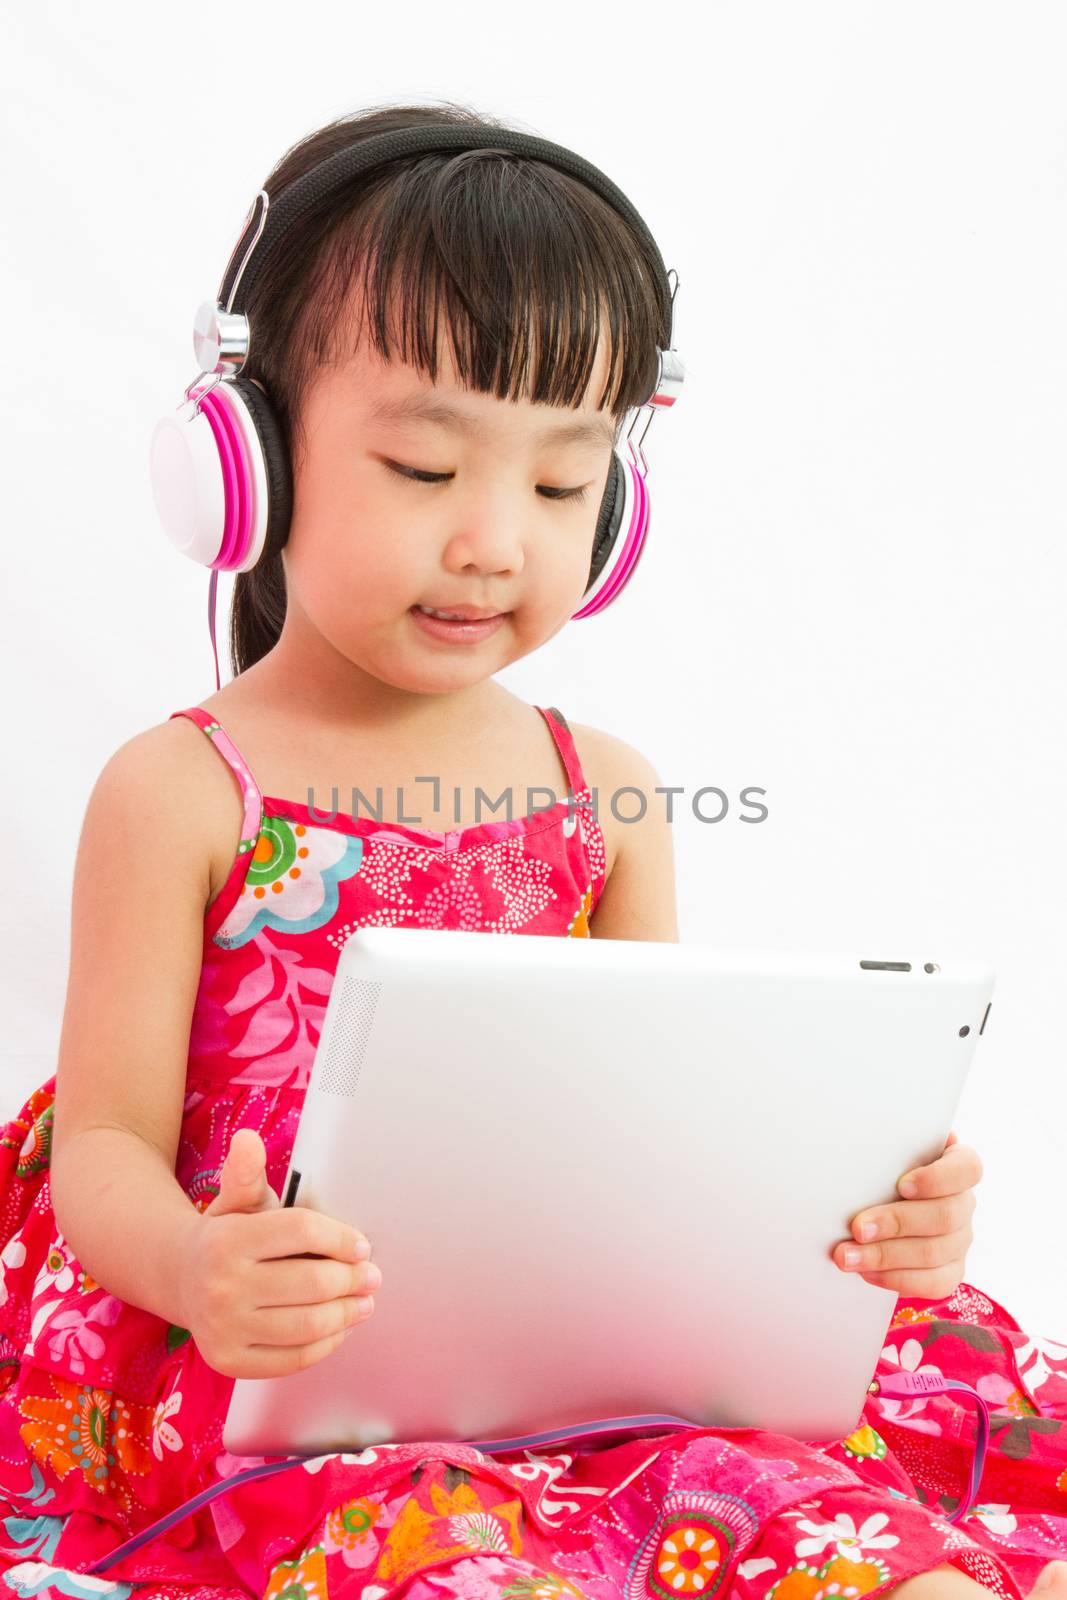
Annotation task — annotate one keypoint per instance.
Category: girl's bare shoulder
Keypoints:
(611, 765)
(179, 767)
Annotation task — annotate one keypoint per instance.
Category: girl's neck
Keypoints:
(338, 697)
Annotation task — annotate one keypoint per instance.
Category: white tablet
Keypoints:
(604, 1178)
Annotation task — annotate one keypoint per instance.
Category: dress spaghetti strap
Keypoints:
(253, 799)
(554, 718)
(564, 739)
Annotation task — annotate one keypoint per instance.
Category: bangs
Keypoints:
(518, 268)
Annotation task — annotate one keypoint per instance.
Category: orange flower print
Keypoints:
(865, 1444)
(302, 1579)
(93, 1431)
(688, 1558)
(462, 1526)
(838, 1576)
(849, 1570)
(578, 927)
(32, 1129)
(689, 1548)
(906, 1315)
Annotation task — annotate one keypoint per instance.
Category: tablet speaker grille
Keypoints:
(348, 1037)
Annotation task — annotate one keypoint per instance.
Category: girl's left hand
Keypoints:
(921, 1243)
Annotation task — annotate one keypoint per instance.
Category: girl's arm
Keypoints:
(141, 883)
(638, 900)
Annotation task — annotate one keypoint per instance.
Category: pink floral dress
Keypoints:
(110, 1418)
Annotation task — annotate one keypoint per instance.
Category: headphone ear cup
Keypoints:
(621, 532)
(278, 470)
(609, 519)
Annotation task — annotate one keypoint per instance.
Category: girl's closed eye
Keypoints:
(414, 475)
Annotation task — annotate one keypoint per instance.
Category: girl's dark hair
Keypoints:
(522, 257)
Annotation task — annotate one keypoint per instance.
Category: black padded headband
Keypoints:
(344, 165)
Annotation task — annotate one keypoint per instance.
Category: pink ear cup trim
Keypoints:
(236, 477)
(230, 480)
(633, 545)
(243, 526)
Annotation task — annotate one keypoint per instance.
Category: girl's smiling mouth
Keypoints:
(466, 630)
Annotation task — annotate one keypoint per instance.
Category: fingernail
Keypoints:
(909, 1188)
(868, 1231)
(853, 1256)
(362, 1250)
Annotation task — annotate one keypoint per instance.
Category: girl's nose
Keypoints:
(491, 543)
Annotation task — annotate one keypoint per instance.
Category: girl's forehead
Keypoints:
(392, 390)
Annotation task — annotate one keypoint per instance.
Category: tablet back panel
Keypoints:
(604, 1178)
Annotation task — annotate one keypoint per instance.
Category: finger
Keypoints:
(274, 1361)
(247, 1154)
(921, 1254)
(913, 1219)
(243, 1182)
(307, 1324)
(302, 1231)
(957, 1169)
(937, 1284)
(293, 1282)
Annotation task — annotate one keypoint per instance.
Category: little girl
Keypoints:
(447, 425)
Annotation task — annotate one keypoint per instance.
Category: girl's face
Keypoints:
(369, 540)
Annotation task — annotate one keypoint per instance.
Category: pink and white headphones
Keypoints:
(220, 472)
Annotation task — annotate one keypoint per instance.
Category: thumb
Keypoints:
(243, 1182)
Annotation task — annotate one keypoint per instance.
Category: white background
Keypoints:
(854, 592)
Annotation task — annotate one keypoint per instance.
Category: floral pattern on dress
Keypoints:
(292, 882)
(110, 1417)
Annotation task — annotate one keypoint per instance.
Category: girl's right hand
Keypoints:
(261, 1302)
